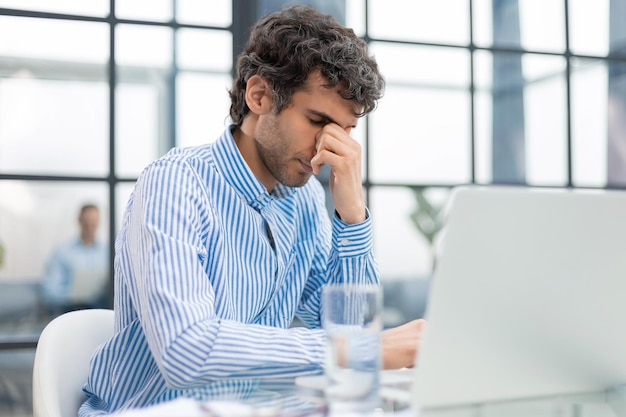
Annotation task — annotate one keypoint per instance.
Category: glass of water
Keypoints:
(352, 319)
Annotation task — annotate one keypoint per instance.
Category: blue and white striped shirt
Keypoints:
(202, 293)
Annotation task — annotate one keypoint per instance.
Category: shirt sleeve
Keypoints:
(175, 301)
(344, 255)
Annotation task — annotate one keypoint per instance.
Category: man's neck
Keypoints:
(244, 139)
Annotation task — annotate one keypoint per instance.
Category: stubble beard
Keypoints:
(276, 158)
(277, 163)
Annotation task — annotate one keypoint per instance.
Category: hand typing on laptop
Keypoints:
(401, 344)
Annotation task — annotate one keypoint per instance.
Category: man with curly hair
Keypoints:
(222, 245)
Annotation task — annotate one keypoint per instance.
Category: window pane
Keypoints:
(482, 22)
(202, 105)
(616, 147)
(588, 27)
(403, 249)
(54, 100)
(483, 136)
(427, 90)
(533, 132)
(202, 12)
(406, 225)
(532, 25)
(144, 46)
(56, 40)
(89, 8)
(355, 16)
(543, 25)
(424, 21)
(143, 96)
(589, 122)
(156, 10)
(598, 127)
(37, 221)
(141, 122)
(55, 127)
(422, 65)
(49, 211)
(545, 108)
(421, 136)
(204, 49)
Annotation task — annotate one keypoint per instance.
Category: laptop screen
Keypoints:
(528, 297)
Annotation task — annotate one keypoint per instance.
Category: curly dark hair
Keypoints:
(286, 46)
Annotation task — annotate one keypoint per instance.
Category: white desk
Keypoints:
(284, 398)
(575, 405)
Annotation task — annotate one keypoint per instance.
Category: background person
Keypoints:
(76, 274)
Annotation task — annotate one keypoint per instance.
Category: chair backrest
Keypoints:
(62, 360)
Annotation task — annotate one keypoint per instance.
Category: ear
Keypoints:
(258, 95)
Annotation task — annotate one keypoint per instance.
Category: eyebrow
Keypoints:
(326, 117)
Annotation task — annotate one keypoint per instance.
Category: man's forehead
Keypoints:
(316, 81)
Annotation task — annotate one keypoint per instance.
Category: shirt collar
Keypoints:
(234, 169)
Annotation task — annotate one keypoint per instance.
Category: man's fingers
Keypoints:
(324, 157)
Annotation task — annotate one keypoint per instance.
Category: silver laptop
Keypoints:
(528, 298)
(88, 285)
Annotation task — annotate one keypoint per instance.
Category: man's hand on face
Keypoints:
(342, 153)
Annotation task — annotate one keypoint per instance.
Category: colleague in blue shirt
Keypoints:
(222, 245)
(77, 272)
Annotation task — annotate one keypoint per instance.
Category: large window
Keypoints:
(478, 91)
(488, 92)
(89, 95)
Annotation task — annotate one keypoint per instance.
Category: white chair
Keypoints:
(62, 360)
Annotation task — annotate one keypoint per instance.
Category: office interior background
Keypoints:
(522, 92)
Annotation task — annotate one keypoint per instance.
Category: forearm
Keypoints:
(350, 260)
(227, 349)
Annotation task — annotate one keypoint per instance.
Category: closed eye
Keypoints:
(318, 122)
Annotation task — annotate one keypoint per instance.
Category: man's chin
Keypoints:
(300, 181)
